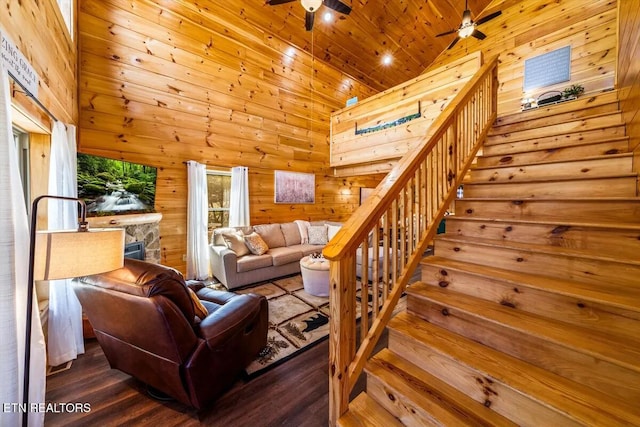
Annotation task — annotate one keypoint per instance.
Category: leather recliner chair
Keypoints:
(144, 319)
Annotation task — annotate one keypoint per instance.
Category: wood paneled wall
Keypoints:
(162, 82)
(628, 77)
(530, 28)
(383, 142)
(39, 31)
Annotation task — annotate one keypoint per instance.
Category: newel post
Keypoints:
(342, 333)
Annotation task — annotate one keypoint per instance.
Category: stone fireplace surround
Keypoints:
(138, 227)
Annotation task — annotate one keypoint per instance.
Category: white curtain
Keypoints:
(65, 340)
(14, 253)
(239, 201)
(197, 219)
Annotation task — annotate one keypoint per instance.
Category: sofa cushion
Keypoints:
(235, 242)
(291, 233)
(253, 262)
(256, 244)
(282, 256)
(271, 234)
(308, 249)
(318, 235)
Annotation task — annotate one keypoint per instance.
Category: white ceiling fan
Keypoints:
(312, 6)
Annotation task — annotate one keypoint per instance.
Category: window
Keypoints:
(66, 8)
(219, 189)
(21, 140)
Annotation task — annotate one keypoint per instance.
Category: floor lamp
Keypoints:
(62, 254)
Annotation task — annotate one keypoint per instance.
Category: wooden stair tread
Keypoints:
(595, 142)
(616, 226)
(579, 402)
(366, 412)
(496, 131)
(623, 297)
(443, 402)
(551, 162)
(585, 101)
(610, 348)
(543, 131)
(552, 179)
(545, 249)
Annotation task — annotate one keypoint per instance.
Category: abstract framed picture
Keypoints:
(295, 187)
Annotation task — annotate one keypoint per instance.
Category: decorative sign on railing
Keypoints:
(18, 65)
(387, 125)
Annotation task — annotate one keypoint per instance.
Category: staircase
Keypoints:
(529, 311)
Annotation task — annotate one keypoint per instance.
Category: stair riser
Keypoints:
(542, 122)
(576, 311)
(616, 243)
(576, 169)
(596, 187)
(513, 404)
(609, 212)
(398, 405)
(555, 141)
(556, 154)
(587, 124)
(588, 270)
(567, 362)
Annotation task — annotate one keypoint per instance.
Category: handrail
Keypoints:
(382, 243)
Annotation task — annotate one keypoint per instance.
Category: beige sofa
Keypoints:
(286, 244)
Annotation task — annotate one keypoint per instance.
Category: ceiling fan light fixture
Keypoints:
(466, 31)
(311, 5)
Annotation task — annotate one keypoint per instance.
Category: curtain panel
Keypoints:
(65, 340)
(14, 256)
(197, 222)
(239, 200)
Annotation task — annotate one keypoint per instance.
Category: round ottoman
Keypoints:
(315, 276)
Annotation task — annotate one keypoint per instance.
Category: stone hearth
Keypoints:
(138, 227)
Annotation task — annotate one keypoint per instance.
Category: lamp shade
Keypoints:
(69, 253)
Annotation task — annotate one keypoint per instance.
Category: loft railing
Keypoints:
(379, 247)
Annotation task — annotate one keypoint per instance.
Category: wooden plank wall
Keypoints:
(162, 82)
(530, 28)
(629, 72)
(427, 95)
(39, 31)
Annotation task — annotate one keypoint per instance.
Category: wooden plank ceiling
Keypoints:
(356, 43)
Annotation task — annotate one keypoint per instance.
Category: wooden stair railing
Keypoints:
(384, 240)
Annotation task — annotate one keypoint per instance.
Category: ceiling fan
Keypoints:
(311, 6)
(468, 27)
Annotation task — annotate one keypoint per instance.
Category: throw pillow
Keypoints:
(303, 227)
(256, 245)
(271, 234)
(332, 230)
(317, 234)
(235, 242)
(199, 308)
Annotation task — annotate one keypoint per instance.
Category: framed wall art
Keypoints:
(295, 187)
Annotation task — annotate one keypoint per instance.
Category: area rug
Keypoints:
(297, 321)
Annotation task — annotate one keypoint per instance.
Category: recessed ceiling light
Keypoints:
(328, 16)
(387, 60)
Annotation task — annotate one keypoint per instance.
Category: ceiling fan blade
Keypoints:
(308, 20)
(447, 33)
(277, 2)
(488, 17)
(338, 6)
(479, 34)
(453, 43)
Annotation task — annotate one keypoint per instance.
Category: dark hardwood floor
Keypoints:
(294, 393)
